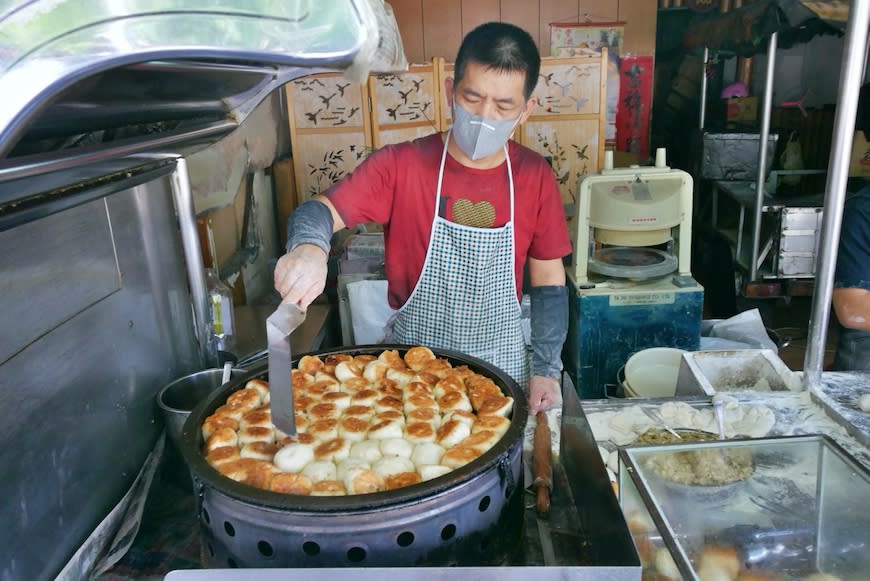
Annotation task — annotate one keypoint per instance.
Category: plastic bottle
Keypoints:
(220, 322)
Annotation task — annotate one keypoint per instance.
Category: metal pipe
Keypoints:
(851, 75)
(762, 154)
(703, 114)
(183, 196)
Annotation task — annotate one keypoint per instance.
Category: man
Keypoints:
(464, 214)
(851, 295)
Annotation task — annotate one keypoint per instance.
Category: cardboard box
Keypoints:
(860, 164)
(742, 109)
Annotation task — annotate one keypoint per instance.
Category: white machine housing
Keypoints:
(633, 206)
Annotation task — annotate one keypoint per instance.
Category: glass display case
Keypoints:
(777, 508)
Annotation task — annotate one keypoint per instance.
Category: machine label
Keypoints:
(663, 298)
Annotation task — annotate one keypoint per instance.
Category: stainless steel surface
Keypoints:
(767, 104)
(177, 399)
(80, 252)
(469, 516)
(181, 193)
(80, 385)
(286, 319)
(795, 513)
(851, 75)
(312, 335)
(733, 156)
(51, 45)
(702, 110)
(38, 165)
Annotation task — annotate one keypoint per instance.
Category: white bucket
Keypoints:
(653, 372)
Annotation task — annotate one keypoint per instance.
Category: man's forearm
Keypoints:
(549, 324)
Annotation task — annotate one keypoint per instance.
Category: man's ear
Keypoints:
(448, 89)
(531, 104)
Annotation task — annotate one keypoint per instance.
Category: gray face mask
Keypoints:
(479, 136)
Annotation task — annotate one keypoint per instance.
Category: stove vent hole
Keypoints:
(210, 549)
(405, 539)
(206, 517)
(229, 528)
(310, 548)
(232, 563)
(448, 532)
(265, 549)
(484, 504)
(356, 555)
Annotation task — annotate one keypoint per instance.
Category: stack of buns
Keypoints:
(364, 423)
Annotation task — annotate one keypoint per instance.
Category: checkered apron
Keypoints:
(466, 297)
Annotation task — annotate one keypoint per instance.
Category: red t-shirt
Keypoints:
(395, 186)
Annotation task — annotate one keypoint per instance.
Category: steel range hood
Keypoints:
(89, 79)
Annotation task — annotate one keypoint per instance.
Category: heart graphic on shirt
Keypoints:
(479, 215)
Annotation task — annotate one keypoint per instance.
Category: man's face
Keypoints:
(491, 93)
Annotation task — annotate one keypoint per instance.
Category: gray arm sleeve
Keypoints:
(310, 223)
(549, 328)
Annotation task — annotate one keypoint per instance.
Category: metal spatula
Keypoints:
(279, 325)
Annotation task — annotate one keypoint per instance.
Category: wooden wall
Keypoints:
(434, 28)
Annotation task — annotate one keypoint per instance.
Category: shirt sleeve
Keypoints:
(853, 254)
(550, 239)
(366, 194)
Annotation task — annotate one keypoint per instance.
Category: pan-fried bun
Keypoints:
(222, 437)
(293, 457)
(402, 479)
(320, 470)
(496, 406)
(336, 449)
(359, 480)
(222, 455)
(264, 451)
(459, 456)
(452, 432)
(417, 432)
(417, 358)
(497, 424)
(288, 483)
(427, 453)
(328, 488)
(430, 471)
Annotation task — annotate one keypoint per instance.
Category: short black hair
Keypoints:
(503, 47)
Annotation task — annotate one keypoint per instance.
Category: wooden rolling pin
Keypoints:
(542, 465)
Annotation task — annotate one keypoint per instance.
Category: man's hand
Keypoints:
(544, 393)
(300, 275)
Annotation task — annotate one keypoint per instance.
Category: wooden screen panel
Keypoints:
(569, 86)
(408, 103)
(571, 146)
(568, 126)
(329, 129)
(323, 159)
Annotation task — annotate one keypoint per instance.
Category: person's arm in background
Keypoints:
(852, 307)
(549, 322)
(851, 295)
